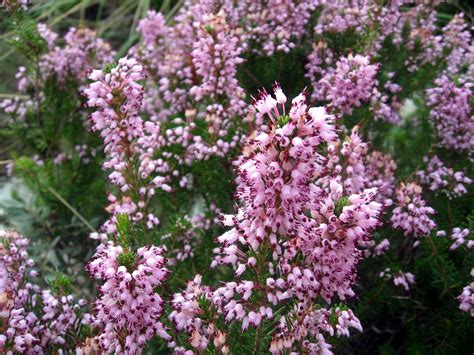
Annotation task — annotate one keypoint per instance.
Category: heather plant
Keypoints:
(249, 177)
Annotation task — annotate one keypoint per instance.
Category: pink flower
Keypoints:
(285, 213)
(451, 114)
(411, 213)
(36, 319)
(350, 84)
(128, 309)
(442, 179)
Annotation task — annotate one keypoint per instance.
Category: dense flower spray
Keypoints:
(304, 238)
(57, 65)
(441, 179)
(193, 314)
(81, 52)
(342, 16)
(380, 169)
(458, 39)
(195, 63)
(424, 45)
(350, 84)
(278, 24)
(346, 159)
(411, 213)
(128, 310)
(14, 261)
(451, 114)
(466, 299)
(129, 141)
(318, 59)
(36, 320)
(349, 160)
(215, 57)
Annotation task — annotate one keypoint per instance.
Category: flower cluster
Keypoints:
(381, 247)
(439, 178)
(278, 24)
(334, 322)
(128, 309)
(13, 264)
(36, 319)
(346, 159)
(193, 314)
(195, 63)
(284, 214)
(359, 170)
(459, 235)
(82, 51)
(458, 39)
(15, 108)
(342, 16)
(451, 114)
(350, 84)
(47, 34)
(34, 332)
(215, 57)
(380, 171)
(320, 57)
(424, 45)
(118, 97)
(404, 279)
(466, 298)
(411, 213)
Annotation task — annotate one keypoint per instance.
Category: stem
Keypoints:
(440, 265)
(13, 96)
(72, 209)
(450, 215)
(258, 335)
(374, 297)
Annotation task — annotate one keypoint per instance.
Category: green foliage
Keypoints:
(26, 39)
(128, 260)
(124, 230)
(60, 284)
(285, 68)
(283, 120)
(340, 204)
